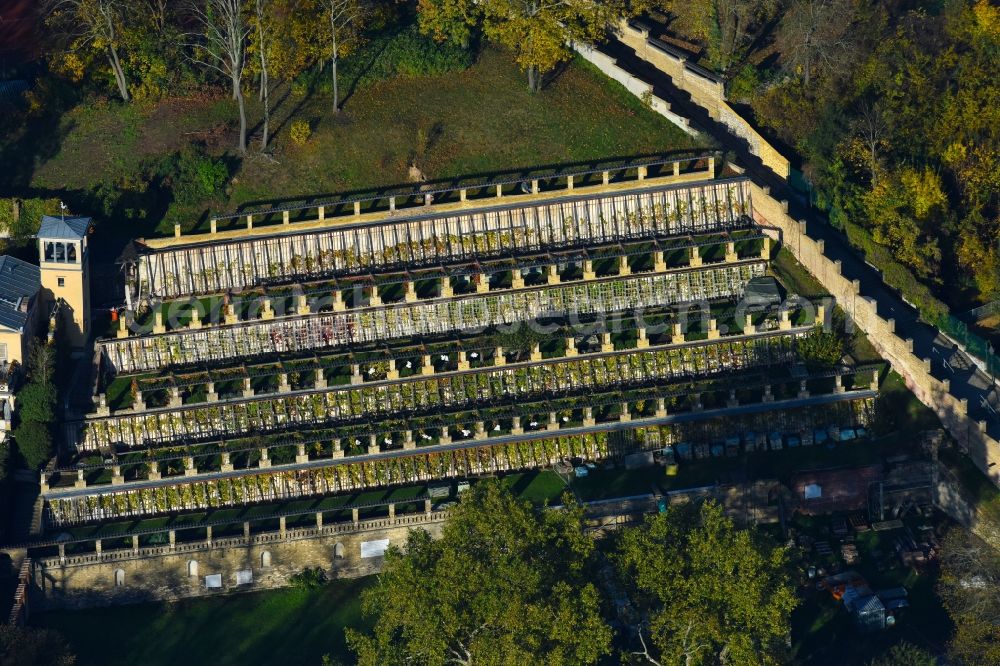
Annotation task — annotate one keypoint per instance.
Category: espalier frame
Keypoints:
(436, 237)
(317, 407)
(299, 333)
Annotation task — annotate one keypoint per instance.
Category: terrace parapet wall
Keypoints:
(982, 449)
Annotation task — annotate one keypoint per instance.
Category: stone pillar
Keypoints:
(246, 530)
(300, 454)
(606, 344)
(785, 324)
(480, 430)
(227, 463)
(229, 316)
(605, 177)
(172, 539)
(210, 394)
(302, 305)
(408, 442)
(536, 352)
(499, 191)
(623, 267)
(123, 326)
(97, 546)
(498, 357)
(264, 461)
(570, 346)
(553, 423)
(116, 475)
(733, 401)
(569, 182)
(462, 194)
(463, 361)
(135, 544)
(43, 482)
(588, 270)
(483, 283)
(588, 417)
(138, 404)
(731, 252)
(677, 169)
(713, 329)
(392, 204)
(696, 405)
(81, 480)
(102, 405)
(247, 388)
(393, 371)
(659, 263)
(62, 553)
(338, 451)
(283, 385)
(642, 342)
(515, 426)
(392, 511)
(677, 336)
(320, 382)
(428, 367)
(821, 315)
(695, 259)
(446, 290)
(748, 326)
(189, 468)
(661, 408)
(319, 520)
(338, 301)
(357, 208)
(838, 384)
(195, 322)
(154, 471)
(768, 397)
(427, 507)
(765, 250)
(516, 279)
(321, 213)
(553, 274)
(641, 173)
(208, 535)
(803, 389)
(373, 445)
(374, 299)
(534, 186)
(158, 326)
(356, 377)
(282, 527)
(266, 312)
(445, 437)
(625, 415)
(411, 292)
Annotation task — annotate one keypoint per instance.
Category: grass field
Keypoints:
(479, 121)
(289, 626)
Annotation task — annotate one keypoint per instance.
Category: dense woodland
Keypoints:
(894, 110)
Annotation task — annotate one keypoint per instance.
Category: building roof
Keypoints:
(60, 228)
(19, 282)
(762, 290)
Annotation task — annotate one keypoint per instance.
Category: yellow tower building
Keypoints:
(62, 254)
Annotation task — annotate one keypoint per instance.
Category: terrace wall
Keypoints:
(705, 90)
(162, 573)
(982, 449)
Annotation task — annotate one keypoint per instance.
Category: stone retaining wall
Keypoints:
(982, 449)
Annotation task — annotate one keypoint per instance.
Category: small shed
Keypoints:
(762, 291)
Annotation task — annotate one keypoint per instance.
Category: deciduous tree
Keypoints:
(970, 574)
(707, 592)
(507, 583)
(90, 27)
(220, 45)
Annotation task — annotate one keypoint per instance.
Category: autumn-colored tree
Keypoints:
(970, 574)
(90, 30)
(814, 35)
(707, 592)
(537, 32)
(727, 27)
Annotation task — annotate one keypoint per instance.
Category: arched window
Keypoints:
(193, 568)
(50, 251)
(265, 558)
(60, 252)
(71, 252)
(119, 577)
(338, 551)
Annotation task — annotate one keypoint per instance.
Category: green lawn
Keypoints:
(479, 121)
(289, 626)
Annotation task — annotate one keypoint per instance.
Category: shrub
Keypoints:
(821, 347)
(309, 578)
(300, 132)
(34, 442)
(405, 53)
(195, 176)
(21, 217)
